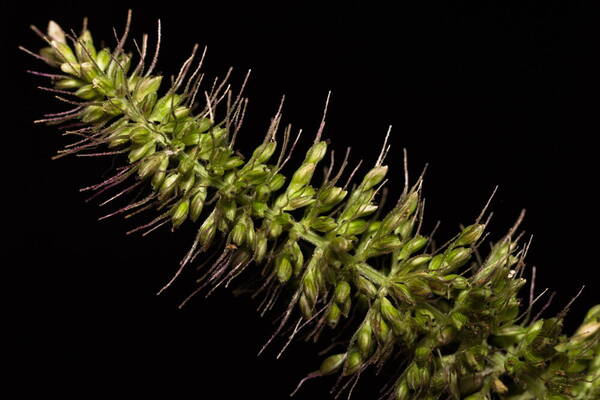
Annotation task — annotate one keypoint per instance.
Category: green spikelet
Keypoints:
(454, 319)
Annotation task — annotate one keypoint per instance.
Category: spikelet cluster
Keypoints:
(451, 323)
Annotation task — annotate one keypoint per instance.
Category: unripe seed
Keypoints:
(168, 186)
(263, 152)
(276, 182)
(470, 235)
(365, 340)
(92, 114)
(260, 248)
(301, 177)
(413, 377)
(141, 135)
(388, 311)
(208, 229)
(84, 48)
(365, 286)
(238, 234)
(305, 306)
(333, 315)
(103, 59)
(159, 175)
(323, 223)
(284, 269)
(180, 213)
(316, 152)
(418, 261)
(402, 391)
(187, 183)
(333, 195)
(374, 177)
(86, 92)
(413, 245)
(69, 83)
(150, 164)
(197, 203)
(64, 52)
(458, 257)
(342, 292)
(353, 363)
(147, 86)
(332, 363)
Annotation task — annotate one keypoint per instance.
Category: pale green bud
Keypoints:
(415, 244)
(305, 306)
(64, 52)
(323, 223)
(180, 213)
(365, 339)
(275, 229)
(418, 261)
(302, 177)
(365, 210)
(333, 315)
(88, 71)
(436, 262)
(388, 311)
(263, 152)
(92, 114)
(458, 257)
(104, 85)
(168, 186)
(114, 106)
(276, 182)
(238, 233)
(208, 229)
(316, 152)
(147, 86)
(164, 106)
(405, 228)
(284, 268)
(402, 391)
(150, 164)
(103, 59)
(84, 48)
(374, 177)
(470, 235)
(297, 257)
(342, 292)
(86, 92)
(187, 183)
(181, 112)
(233, 162)
(197, 203)
(159, 175)
(366, 286)
(141, 135)
(355, 227)
(69, 83)
(333, 195)
(141, 150)
(260, 249)
(413, 377)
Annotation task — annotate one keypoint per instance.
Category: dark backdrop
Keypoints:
(486, 93)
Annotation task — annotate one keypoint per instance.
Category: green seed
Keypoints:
(332, 363)
(180, 213)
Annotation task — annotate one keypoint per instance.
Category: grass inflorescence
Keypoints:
(449, 318)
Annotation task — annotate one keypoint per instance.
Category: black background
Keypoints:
(486, 93)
